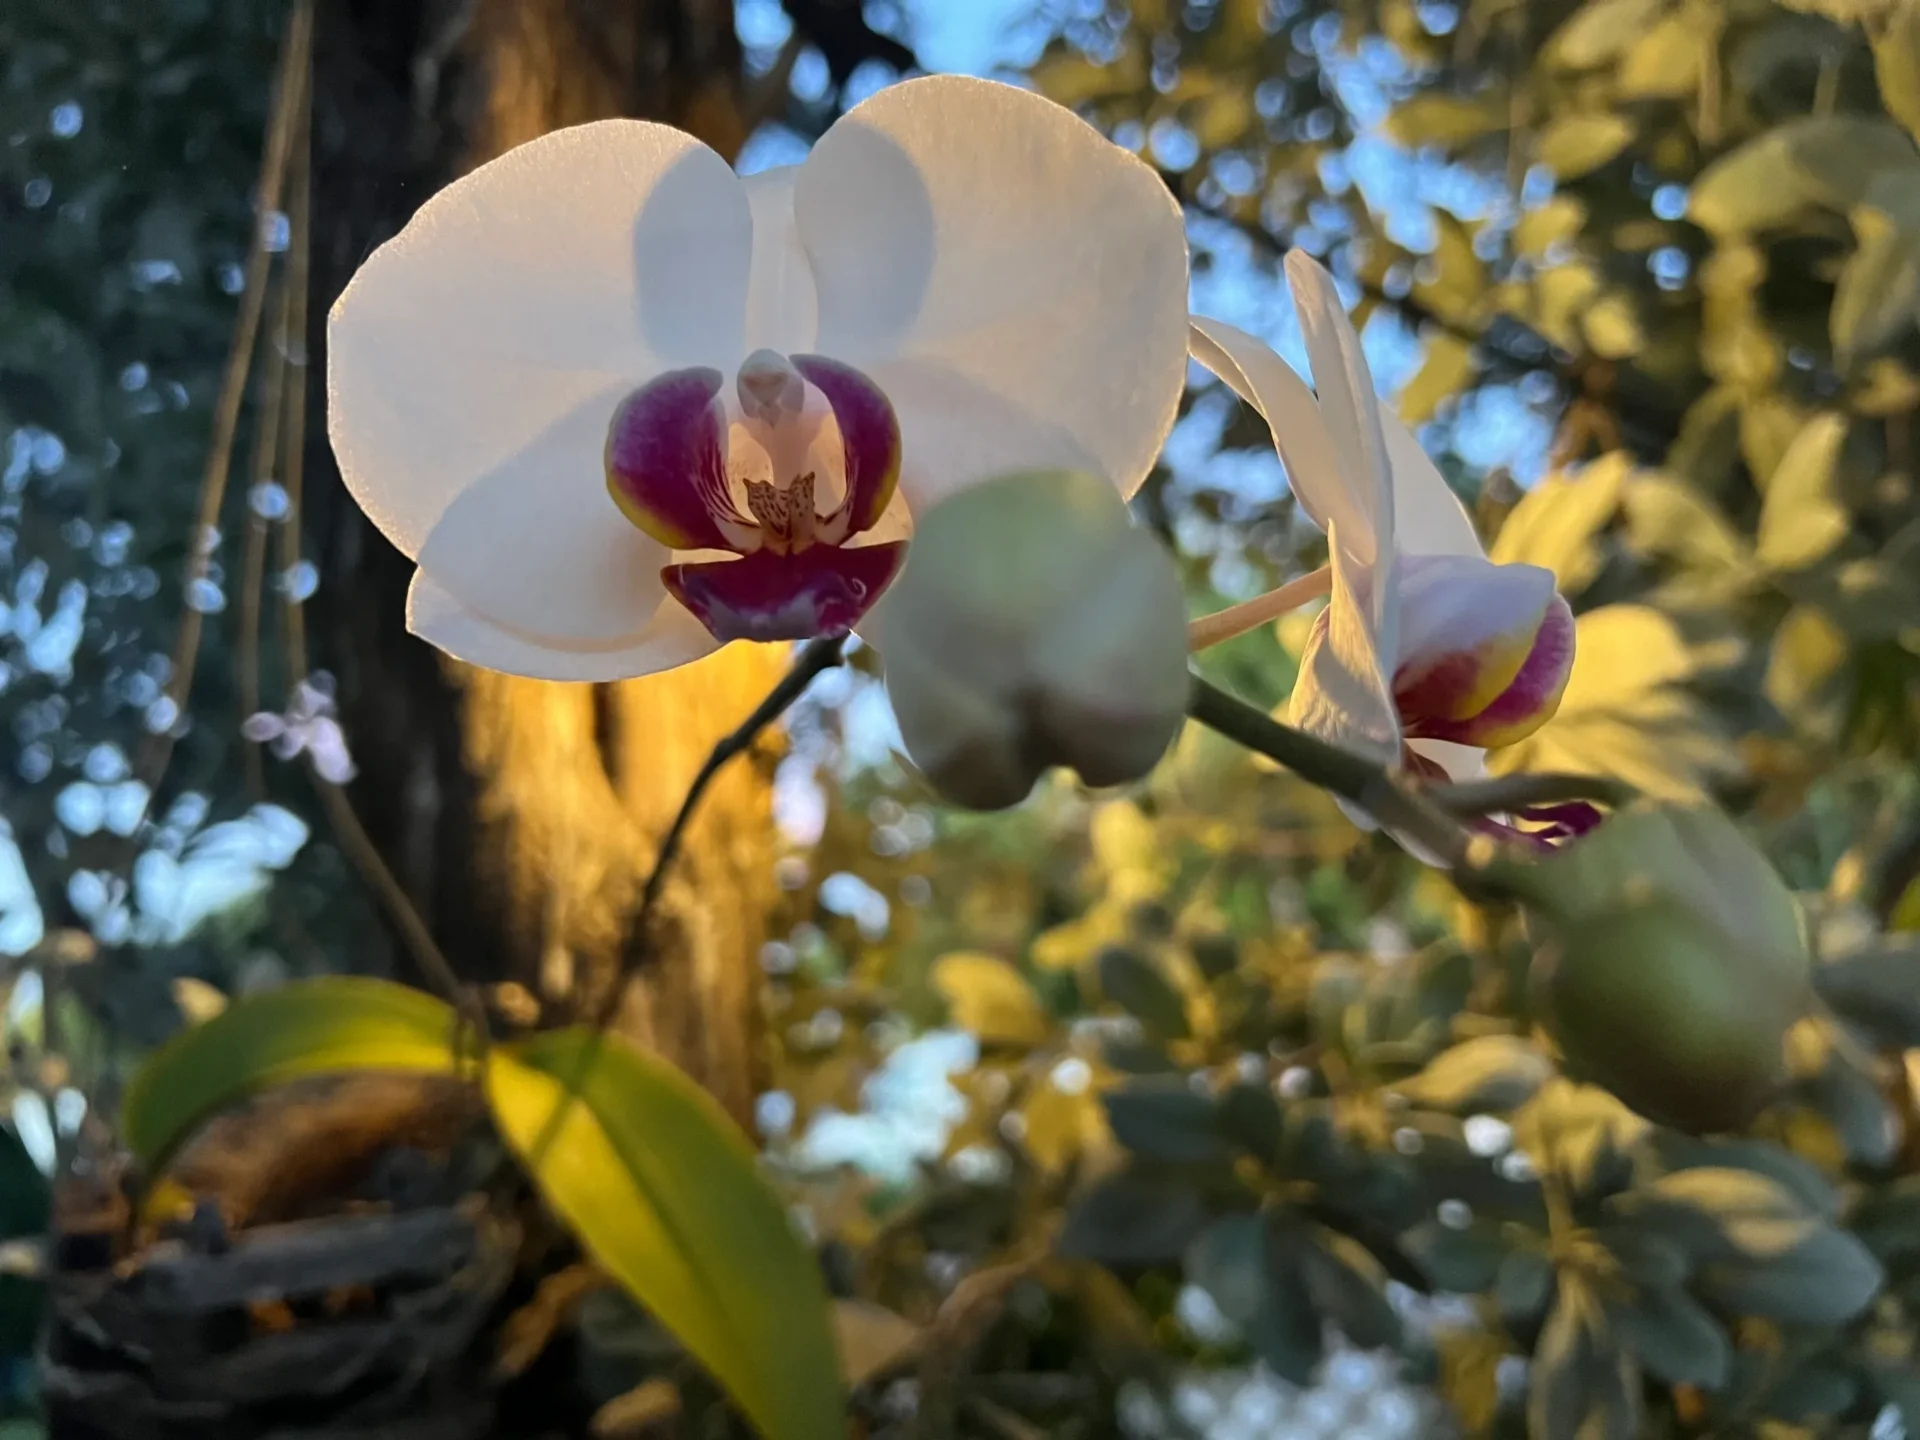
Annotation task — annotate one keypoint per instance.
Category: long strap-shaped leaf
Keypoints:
(315, 1027)
(663, 1191)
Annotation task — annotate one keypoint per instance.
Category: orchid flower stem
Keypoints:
(1237, 620)
(1508, 793)
(1473, 859)
(817, 656)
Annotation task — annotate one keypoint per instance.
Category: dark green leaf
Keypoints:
(1134, 1217)
(1808, 1184)
(1345, 1285)
(1163, 1119)
(25, 1205)
(1250, 1117)
(1845, 1092)
(1826, 1280)
(1489, 1072)
(1817, 1390)
(1523, 1287)
(666, 1195)
(1226, 1261)
(1286, 1332)
(1888, 1220)
(1720, 1213)
(1584, 1386)
(1645, 1257)
(1674, 1337)
(1135, 984)
(1877, 989)
(1461, 1262)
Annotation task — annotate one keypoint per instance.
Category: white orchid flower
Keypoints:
(766, 376)
(1427, 654)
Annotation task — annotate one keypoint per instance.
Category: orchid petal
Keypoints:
(783, 310)
(869, 437)
(1348, 406)
(600, 253)
(1428, 518)
(768, 596)
(538, 545)
(1342, 694)
(1457, 762)
(1267, 383)
(666, 462)
(955, 432)
(667, 637)
(985, 234)
(1467, 627)
(1533, 695)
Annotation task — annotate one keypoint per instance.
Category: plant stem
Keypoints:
(1354, 778)
(817, 656)
(1508, 793)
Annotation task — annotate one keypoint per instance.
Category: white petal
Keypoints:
(1461, 762)
(1451, 603)
(1351, 412)
(600, 253)
(538, 545)
(1267, 383)
(783, 313)
(1348, 406)
(956, 432)
(673, 637)
(1428, 518)
(1343, 693)
(970, 225)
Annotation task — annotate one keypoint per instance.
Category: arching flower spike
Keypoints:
(1427, 653)
(622, 406)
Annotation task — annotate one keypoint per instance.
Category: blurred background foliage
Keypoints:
(1191, 1111)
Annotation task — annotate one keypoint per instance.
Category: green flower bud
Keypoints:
(1673, 966)
(1034, 625)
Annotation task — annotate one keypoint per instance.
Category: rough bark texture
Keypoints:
(521, 816)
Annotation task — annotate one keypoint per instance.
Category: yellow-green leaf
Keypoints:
(1555, 523)
(663, 1192)
(1578, 144)
(1627, 712)
(1824, 160)
(1879, 288)
(313, 1027)
(1802, 518)
(988, 996)
(1447, 368)
(1665, 61)
(1447, 120)
(1896, 64)
(1598, 31)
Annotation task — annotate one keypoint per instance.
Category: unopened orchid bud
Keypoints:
(1674, 965)
(1034, 626)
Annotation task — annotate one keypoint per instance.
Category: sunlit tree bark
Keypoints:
(523, 817)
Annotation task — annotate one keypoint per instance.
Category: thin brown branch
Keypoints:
(817, 656)
(253, 561)
(290, 97)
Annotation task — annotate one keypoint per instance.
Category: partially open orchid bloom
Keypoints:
(1427, 653)
(621, 405)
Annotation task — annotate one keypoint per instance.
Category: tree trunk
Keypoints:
(521, 816)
